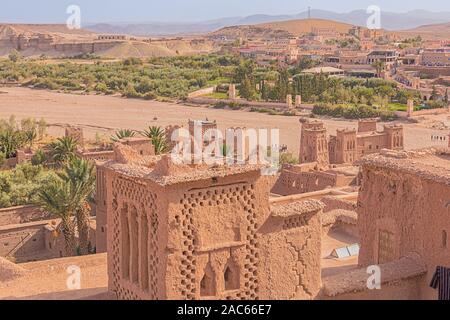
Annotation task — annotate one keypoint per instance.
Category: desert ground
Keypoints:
(47, 280)
(102, 115)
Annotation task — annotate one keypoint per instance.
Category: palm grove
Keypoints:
(57, 178)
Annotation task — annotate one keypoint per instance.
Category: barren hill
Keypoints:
(59, 31)
(157, 49)
(430, 31)
(56, 40)
(304, 26)
(281, 29)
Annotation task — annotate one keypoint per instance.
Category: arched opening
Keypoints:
(144, 252)
(231, 276)
(134, 236)
(125, 242)
(207, 284)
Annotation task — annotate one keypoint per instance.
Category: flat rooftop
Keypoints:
(430, 164)
(47, 280)
(334, 240)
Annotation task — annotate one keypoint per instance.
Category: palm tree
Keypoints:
(30, 137)
(64, 149)
(158, 137)
(379, 66)
(123, 133)
(79, 174)
(56, 198)
(67, 198)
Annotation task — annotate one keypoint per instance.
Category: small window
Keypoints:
(444, 239)
(207, 284)
(231, 277)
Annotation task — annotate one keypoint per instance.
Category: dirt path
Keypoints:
(104, 114)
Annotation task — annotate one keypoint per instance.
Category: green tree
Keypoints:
(79, 174)
(14, 56)
(282, 85)
(247, 89)
(67, 198)
(2, 159)
(158, 137)
(63, 150)
(379, 67)
(122, 134)
(57, 198)
(11, 140)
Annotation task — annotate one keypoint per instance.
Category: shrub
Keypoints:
(39, 158)
(288, 158)
(2, 159)
(352, 111)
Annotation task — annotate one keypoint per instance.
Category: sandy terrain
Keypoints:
(47, 280)
(104, 114)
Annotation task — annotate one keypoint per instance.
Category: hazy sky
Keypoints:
(51, 11)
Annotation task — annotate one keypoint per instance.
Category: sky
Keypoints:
(54, 11)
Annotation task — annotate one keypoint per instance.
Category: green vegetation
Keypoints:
(288, 158)
(158, 137)
(217, 95)
(411, 42)
(274, 85)
(21, 185)
(122, 134)
(169, 77)
(67, 197)
(349, 43)
(14, 136)
(63, 150)
(352, 111)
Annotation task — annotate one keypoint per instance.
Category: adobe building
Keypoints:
(348, 145)
(140, 146)
(305, 178)
(403, 209)
(313, 143)
(76, 134)
(203, 232)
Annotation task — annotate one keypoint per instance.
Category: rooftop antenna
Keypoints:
(309, 12)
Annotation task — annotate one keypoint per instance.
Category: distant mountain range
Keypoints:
(389, 21)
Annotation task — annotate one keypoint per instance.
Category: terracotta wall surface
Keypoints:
(20, 214)
(207, 234)
(21, 241)
(400, 280)
(291, 252)
(403, 208)
(291, 182)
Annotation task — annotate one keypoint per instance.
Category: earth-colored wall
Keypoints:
(20, 214)
(400, 213)
(209, 236)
